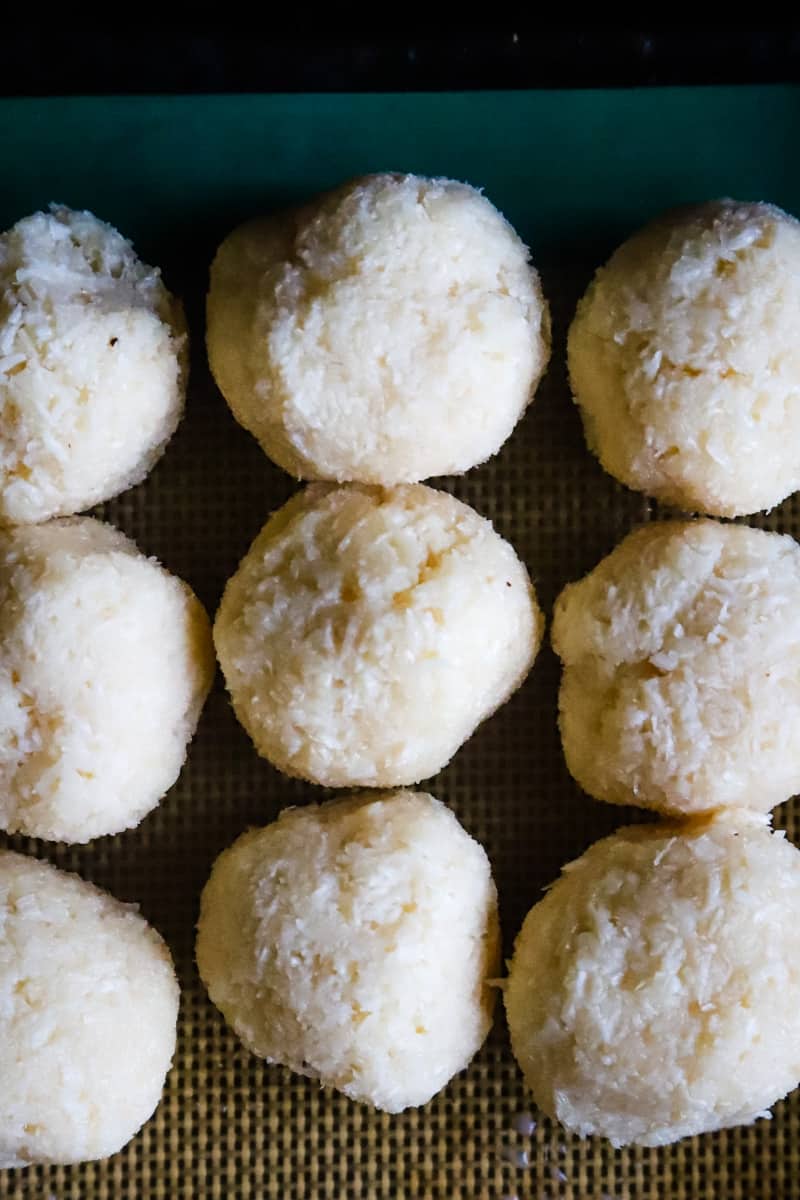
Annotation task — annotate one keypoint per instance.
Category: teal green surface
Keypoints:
(572, 170)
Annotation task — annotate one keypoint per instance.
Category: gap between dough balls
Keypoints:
(368, 631)
(355, 942)
(390, 331)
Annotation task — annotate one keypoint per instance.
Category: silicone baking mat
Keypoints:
(575, 172)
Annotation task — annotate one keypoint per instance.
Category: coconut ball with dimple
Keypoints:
(88, 1007)
(105, 662)
(354, 942)
(685, 361)
(92, 365)
(368, 631)
(389, 331)
(681, 669)
(654, 992)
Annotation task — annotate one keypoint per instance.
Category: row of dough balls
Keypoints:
(354, 942)
(391, 331)
(357, 942)
(361, 337)
(357, 613)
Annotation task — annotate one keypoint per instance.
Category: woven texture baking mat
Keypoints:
(231, 1127)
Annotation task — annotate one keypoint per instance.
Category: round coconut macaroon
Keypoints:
(354, 942)
(681, 683)
(92, 365)
(88, 1007)
(685, 361)
(390, 331)
(105, 662)
(367, 632)
(654, 992)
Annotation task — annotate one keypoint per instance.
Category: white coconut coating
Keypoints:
(685, 361)
(88, 1006)
(367, 632)
(681, 682)
(92, 365)
(105, 662)
(353, 942)
(654, 992)
(390, 331)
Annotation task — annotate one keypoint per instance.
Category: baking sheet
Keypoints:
(575, 172)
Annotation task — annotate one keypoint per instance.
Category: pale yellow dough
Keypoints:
(367, 632)
(681, 683)
(390, 331)
(105, 662)
(92, 365)
(685, 361)
(654, 992)
(353, 942)
(88, 1007)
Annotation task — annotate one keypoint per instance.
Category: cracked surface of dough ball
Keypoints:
(367, 632)
(353, 941)
(654, 992)
(88, 1008)
(685, 361)
(92, 365)
(390, 331)
(105, 662)
(681, 682)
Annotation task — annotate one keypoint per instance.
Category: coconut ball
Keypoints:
(367, 632)
(654, 992)
(88, 1006)
(392, 330)
(354, 942)
(681, 682)
(105, 661)
(685, 361)
(92, 365)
